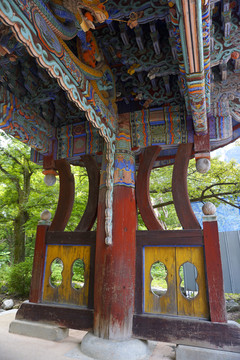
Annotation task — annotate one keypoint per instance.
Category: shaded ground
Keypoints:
(69, 347)
(19, 347)
(233, 311)
(16, 299)
(235, 316)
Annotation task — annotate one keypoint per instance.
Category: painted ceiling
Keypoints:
(174, 69)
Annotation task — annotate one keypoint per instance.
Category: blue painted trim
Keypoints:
(200, 34)
(182, 35)
(44, 272)
(143, 279)
(67, 245)
(124, 184)
(162, 122)
(173, 246)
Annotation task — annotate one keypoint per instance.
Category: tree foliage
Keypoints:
(19, 278)
(220, 184)
(24, 195)
(16, 171)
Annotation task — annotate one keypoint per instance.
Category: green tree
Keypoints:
(220, 184)
(15, 176)
(81, 196)
(24, 195)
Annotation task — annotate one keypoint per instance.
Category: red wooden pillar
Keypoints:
(214, 270)
(38, 264)
(115, 264)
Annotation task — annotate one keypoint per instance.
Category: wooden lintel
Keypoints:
(71, 238)
(191, 237)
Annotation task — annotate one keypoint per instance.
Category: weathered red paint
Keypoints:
(66, 196)
(214, 272)
(38, 264)
(187, 331)
(142, 188)
(115, 268)
(201, 143)
(61, 315)
(90, 214)
(181, 200)
(48, 162)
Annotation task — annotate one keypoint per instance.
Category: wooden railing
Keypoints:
(172, 249)
(67, 247)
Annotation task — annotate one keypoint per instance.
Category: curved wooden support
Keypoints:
(142, 188)
(90, 214)
(181, 200)
(66, 196)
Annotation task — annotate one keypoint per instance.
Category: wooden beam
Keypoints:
(142, 188)
(38, 264)
(90, 214)
(181, 200)
(71, 317)
(66, 196)
(71, 238)
(139, 280)
(214, 272)
(169, 238)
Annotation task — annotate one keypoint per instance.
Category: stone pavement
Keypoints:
(18, 347)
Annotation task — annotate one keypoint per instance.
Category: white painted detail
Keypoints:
(203, 165)
(45, 215)
(49, 179)
(209, 208)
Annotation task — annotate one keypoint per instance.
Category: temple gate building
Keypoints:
(122, 87)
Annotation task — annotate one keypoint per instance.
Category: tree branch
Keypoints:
(217, 184)
(228, 202)
(159, 205)
(10, 176)
(12, 157)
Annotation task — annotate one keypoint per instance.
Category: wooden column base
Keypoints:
(176, 330)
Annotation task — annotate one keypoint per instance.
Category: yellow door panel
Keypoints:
(65, 293)
(198, 305)
(165, 304)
